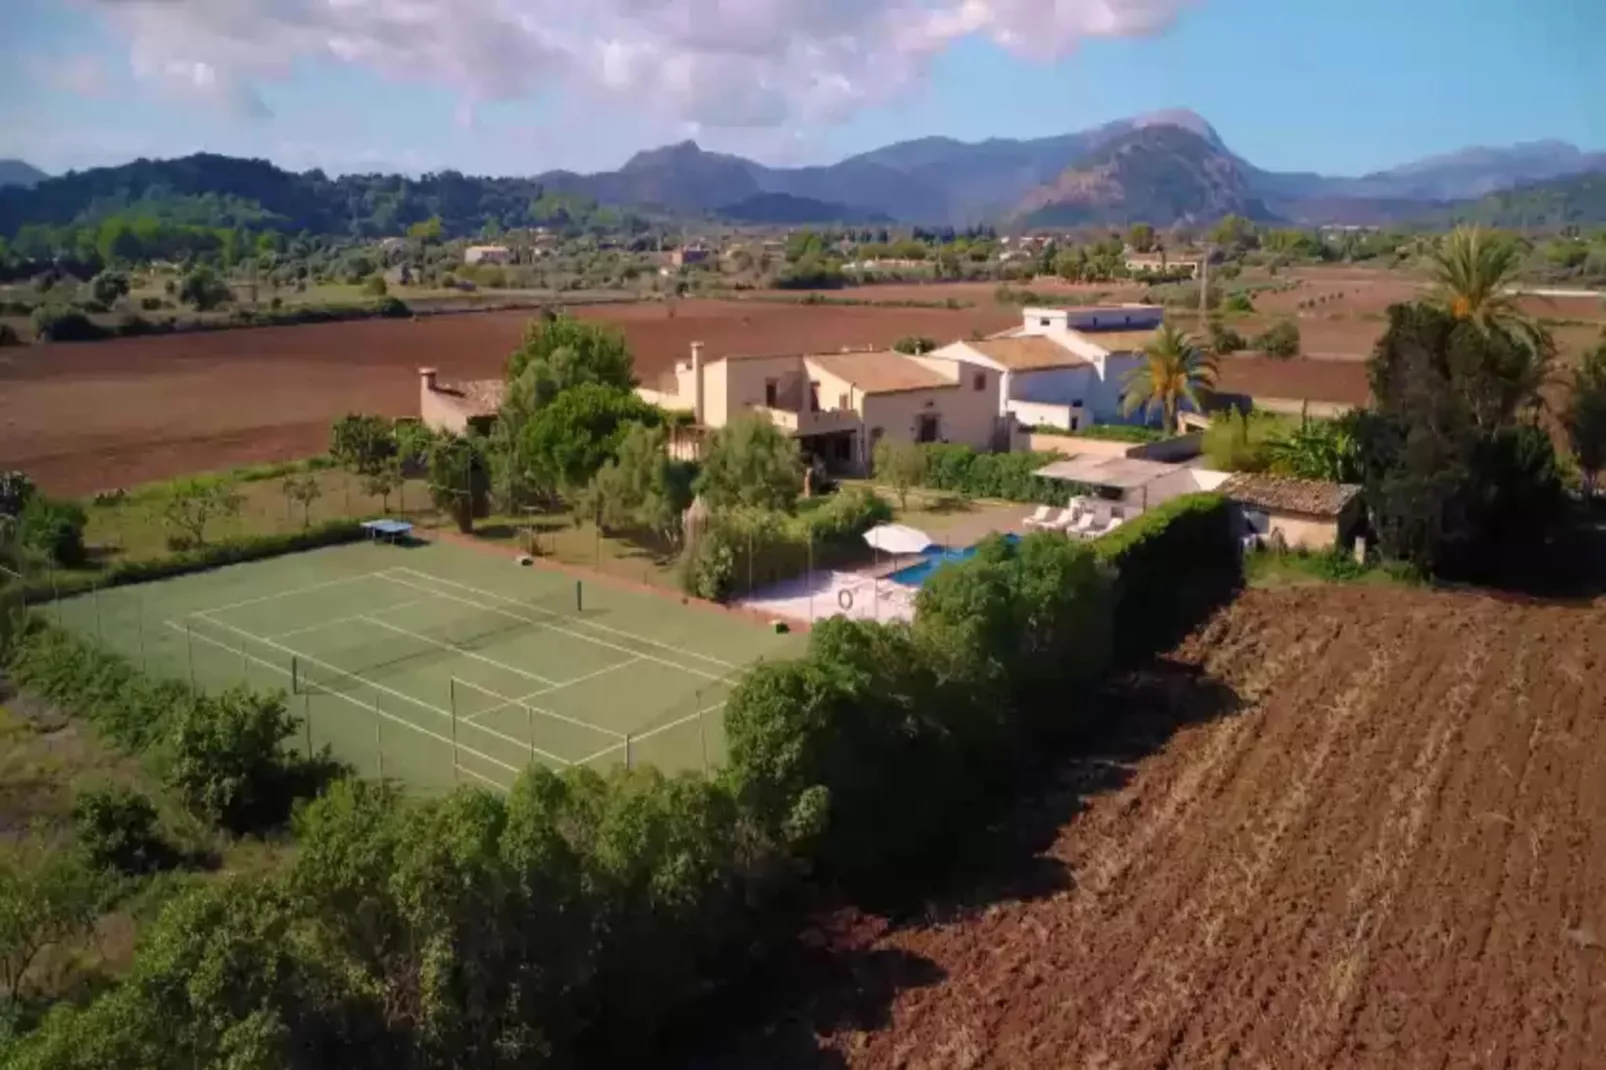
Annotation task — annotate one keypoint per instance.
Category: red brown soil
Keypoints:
(95, 416)
(1340, 381)
(1391, 853)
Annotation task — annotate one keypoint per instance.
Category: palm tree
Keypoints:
(1176, 369)
(1473, 272)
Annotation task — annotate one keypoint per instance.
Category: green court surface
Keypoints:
(436, 664)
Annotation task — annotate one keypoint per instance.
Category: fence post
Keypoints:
(139, 627)
(702, 738)
(100, 635)
(627, 751)
(529, 729)
(306, 719)
(295, 674)
(379, 737)
(189, 650)
(452, 689)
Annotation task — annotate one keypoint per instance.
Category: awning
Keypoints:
(898, 539)
(1117, 473)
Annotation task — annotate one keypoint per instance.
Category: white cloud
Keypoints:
(80, 75)
(719, 63)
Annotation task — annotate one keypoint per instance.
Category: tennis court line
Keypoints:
(454, 648)
(525, 699)
(576, 620)
(360, 705)
(633, 740)
(544, 624)
(519, 743)
(506, 702)
(338, 620)
(291, 591)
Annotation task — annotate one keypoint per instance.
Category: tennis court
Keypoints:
(437, 664)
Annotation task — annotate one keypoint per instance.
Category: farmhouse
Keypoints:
(1064, 367)
(1306, 514)
(487, 254)
(458, 407)
(839, 405)
(1141, 263)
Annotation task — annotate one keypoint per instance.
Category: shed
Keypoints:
(1308, 514)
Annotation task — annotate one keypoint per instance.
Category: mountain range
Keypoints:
(18, 173)
(1160, 168)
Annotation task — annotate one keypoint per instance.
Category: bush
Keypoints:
(992, 475)
(225, 758)
(151, 304)
(374, 285)
(744, 548)
(16, 491)
(1174, 564)
(53, 529)
(9, 336)
(116, 829)
(52, 324)
(392, 308)
(1281, 339)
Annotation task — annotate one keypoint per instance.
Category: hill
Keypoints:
(18, 173)
(785, 209)
(1156, 174)
(1577, 200)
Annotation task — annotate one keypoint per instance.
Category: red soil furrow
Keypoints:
(1393, 855)
(1303, 913)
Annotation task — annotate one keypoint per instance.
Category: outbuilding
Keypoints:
(1306, 514)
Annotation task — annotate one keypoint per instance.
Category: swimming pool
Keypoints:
(918, 573)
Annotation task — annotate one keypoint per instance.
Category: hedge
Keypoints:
(993, 475)
(199, 559)
(1174, 564)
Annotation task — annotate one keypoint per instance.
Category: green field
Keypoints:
(435, 664)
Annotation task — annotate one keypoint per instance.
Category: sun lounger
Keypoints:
(1040, 518)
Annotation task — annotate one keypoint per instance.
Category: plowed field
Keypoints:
(1391, 854)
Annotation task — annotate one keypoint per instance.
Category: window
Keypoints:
(844, 402)
(926, 427)
(771, 389)
(814, 397)
(980, 381)
(1043, 322)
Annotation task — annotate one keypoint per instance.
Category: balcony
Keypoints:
(799, 423)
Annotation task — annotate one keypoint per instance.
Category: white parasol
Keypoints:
(898, 539)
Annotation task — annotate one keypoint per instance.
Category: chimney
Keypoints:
(428, 377)
(697, 382)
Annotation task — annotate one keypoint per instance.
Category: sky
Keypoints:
(1338, 87)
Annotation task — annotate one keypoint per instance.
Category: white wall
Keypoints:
(1041, 414)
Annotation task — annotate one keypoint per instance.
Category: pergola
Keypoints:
(1125, 474)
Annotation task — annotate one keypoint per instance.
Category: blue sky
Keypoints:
(520, 86)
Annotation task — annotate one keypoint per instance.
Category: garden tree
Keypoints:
(108, 286)
(562, 352)
(568, 440)
(47, 896)
(226, 760)
(1281, 339)
(1141, 237)
(304, 490)
(456, 474)
(900, 465)
(914, 344)
(1317, 449)
(1456, 475)
(116, 829)
(1473, 270)
(192, 504)
(362, 444)
(428, 231)
(413, 438)
(374, 285)
(1585, 418)
(642, 487)
(1234, 234)
(1175, 370)
(382, 482)
(203, 288)
(16, 491)
(751, 462)
(1223, 339)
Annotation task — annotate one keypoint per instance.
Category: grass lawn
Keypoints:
(559, 537)
(1295, 568)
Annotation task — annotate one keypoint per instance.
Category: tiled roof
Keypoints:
(1309, 496)
(883, 372)
(476, 397)
(1119, 341)
(1027, 353)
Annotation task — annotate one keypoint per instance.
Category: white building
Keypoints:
(1064, 368)
(487, 254)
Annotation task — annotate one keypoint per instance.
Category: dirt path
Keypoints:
(1392, 854)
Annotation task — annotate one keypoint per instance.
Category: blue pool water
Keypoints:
(918, 573)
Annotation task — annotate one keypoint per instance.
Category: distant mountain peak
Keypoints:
(1185, 118)
(20, 173)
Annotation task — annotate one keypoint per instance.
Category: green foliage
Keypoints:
(108, 286)
(750, 462)
(55, 324)
(642, 487)
(204, 288)
(809, 273)
(16, 491)
(1223, 339)
(1175, 371)
(9, 336)
(303, 490)
(1173, 564)
(456, 476)
(569, 440)
(47, 896)
(362, 444)
(900, 465)
(1317, 449)
(393, 308)
(915, 344)
(195, 503)
(427, 231)
(1237, 441)
(744, 547)
(1585, 416)
(53, 529)
(225, 758)
(1238, 302)
(1281, 339)
(1132, 433)
(1271, 567)
(116, 829)
(1007, 476)
(561, 352)
(374, 285)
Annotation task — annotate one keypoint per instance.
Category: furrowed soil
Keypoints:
(1390, 852)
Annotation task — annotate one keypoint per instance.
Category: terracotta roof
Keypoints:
(477, 397)
(883, 372)
(1309, 496)
(1029, 353)
(1119, 341)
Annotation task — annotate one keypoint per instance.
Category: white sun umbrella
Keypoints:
(898, 539)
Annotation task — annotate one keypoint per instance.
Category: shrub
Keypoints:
(375, 286)
(65, 325)
(116, 829)
(16, 491)
(992, 475)
(393, 308)
(54, 529)
(9, 336)
(1174, 564)
(226, 759)
(150, 304)
(1281, 339)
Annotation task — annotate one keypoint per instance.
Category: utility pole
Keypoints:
(1204, 285)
